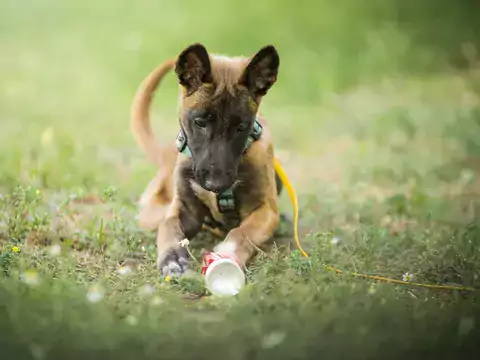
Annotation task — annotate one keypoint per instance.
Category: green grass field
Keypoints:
(376, 118)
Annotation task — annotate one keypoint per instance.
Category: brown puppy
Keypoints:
(218, 113)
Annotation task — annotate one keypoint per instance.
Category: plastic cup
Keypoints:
(223, 274)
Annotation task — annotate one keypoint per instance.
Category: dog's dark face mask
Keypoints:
(217, 124)
(217, 137)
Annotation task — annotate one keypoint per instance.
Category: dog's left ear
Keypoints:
(261, 72)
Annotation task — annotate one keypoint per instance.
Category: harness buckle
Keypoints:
(226, 201)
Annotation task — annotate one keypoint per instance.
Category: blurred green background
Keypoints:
(376, 117)
(347, 69)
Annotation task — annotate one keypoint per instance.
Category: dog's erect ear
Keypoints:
(261, 73)
(193, 68)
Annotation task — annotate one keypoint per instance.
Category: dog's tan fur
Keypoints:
(162, 201)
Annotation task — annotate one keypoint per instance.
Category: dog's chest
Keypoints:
(210, 200)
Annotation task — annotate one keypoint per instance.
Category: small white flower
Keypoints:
(95, 293)
(31, 278)
(54, 250)
(335, 240)
(124, 270)
(131, 320)
(143, 248)
(273, 339)
(184, 243)
(408, 277)
(146, 290)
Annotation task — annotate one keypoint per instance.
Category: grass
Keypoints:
(376, 117)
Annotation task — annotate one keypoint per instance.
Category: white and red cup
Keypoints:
(223, 274)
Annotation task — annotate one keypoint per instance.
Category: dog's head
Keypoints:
(218, 105)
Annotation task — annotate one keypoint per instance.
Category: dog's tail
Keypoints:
(140, 111)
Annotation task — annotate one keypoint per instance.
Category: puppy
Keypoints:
(220, 169)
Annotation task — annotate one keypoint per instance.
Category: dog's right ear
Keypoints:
(193, 68)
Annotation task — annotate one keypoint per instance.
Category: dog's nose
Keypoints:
(216, 186)
(214, 171)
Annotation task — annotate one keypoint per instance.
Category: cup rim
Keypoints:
(215, 264)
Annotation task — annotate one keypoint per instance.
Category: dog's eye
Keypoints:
(242, 127)
(201, 123)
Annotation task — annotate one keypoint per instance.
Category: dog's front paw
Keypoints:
(175, 263)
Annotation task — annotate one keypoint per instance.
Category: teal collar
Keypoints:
(225, 200)
(255, 134)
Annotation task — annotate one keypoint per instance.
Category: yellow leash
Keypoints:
(293, 198)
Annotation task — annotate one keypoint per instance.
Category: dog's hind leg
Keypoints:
(154, 203)
(158, 195)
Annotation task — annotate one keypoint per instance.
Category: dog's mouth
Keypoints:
(215, 176)
(217, 186)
